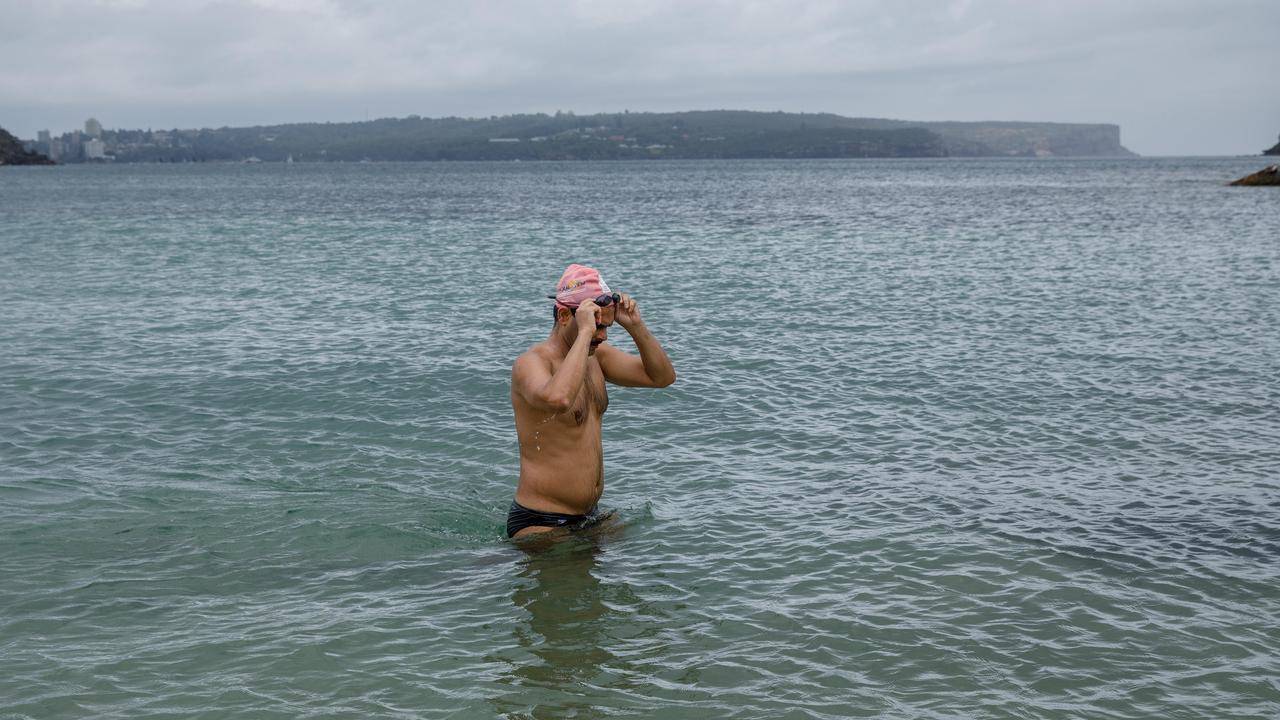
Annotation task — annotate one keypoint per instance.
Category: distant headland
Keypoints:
(13, 152)
(709, 134)
(1274, 150)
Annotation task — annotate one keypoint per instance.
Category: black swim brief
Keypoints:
(521, 517)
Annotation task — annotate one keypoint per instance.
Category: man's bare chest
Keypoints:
(592, 398)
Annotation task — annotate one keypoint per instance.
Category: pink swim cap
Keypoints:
(579, 283)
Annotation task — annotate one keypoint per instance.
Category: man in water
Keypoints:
(559, 398)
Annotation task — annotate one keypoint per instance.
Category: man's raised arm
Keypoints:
(532, 377)
(652, 369)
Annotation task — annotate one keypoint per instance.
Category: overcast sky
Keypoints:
(1179, 76)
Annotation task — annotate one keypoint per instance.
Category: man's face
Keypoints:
(604, 319)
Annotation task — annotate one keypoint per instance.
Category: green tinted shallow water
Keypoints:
(951, 439)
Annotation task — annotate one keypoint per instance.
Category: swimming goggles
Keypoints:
(604, 300)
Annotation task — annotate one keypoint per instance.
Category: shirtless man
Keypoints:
(559, 398)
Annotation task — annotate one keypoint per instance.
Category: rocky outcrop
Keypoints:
(1269, 175)
(12, 152)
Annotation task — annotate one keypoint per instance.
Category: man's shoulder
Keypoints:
(539, 354)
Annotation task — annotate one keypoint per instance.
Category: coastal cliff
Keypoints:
(1022, 139)
(12, 152)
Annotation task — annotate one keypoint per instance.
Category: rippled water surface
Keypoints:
(951, 439)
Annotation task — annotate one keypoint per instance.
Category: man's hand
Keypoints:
(586, 315)
(628, 314)
(653, 367)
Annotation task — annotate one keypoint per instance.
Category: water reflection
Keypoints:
(564, 633)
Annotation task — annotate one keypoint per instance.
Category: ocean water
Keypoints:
(950, 439)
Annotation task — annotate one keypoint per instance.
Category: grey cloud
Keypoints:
(1180, 76)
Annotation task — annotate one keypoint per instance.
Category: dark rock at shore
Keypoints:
(12, 152)
(1269, 175)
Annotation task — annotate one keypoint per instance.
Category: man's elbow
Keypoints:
(665, 380)
(558, 403)
(549, 400)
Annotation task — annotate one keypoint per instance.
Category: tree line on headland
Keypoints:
(614, 136)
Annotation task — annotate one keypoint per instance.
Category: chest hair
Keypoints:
(592, 394)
